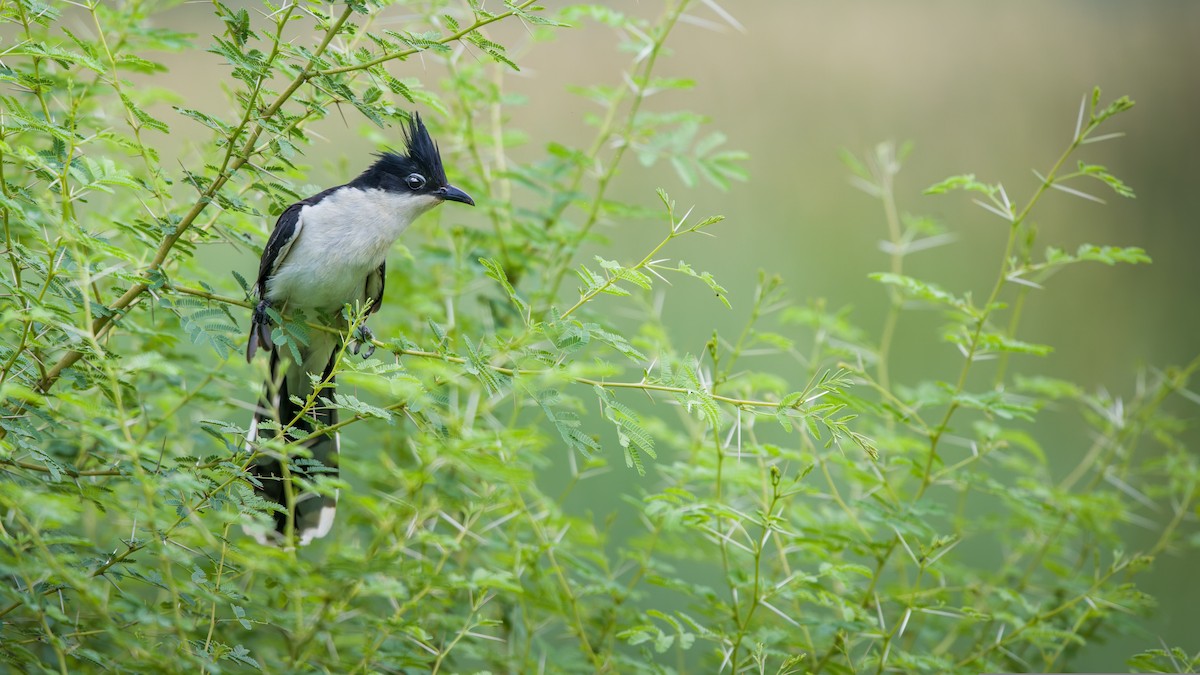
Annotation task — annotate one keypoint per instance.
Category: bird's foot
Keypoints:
(361, 342)
(260, 330)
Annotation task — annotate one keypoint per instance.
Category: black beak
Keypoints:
(453, 194)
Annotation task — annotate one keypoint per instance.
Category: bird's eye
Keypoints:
(415, 181)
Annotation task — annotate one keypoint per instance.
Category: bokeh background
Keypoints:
(985, 88)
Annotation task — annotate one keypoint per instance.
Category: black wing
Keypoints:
(374, 287)
(287, 228)
(282, 238)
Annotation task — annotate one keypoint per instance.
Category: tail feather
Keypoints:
(310, 514)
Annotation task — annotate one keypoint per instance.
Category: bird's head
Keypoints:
(418, 172)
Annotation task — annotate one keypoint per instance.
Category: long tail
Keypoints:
(310, 514)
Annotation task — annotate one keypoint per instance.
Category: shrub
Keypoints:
(813, 521)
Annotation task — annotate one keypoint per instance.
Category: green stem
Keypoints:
(565, 250)
(614, 278)
(233, 161)
(453, 37)
(886, 175)
(937, 432)
(986, 310)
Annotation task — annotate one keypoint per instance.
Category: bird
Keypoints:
(326, 251)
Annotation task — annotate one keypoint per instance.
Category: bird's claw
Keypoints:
(361, 342)
(260, 330)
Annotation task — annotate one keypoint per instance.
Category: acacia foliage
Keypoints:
(808, 520)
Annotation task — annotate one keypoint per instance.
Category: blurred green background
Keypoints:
(985, 88)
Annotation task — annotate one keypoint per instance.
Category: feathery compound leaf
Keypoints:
(996, 342)
(708, 279)
(1109, 255)
(211, 325)
(1002, 404)
(238, 26)
(1101, 174)
(591, 280)
(241, 281)
(1115, 108)
(478, 366)
(530, 14)
(495, 271)
(207, 120)
(63, 57)
(430, 41)
(443, 341)
(634, 439)
(358, 407)
(102, 175)
(617, 342)
(924, 290)
(621, 273)
(470, 532)
(570, 336)
(143, 117)
(695, 398)
(566, 422)
(965, 182)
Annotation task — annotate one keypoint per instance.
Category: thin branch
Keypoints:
(511, 372)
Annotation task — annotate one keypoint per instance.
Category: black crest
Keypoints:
(423, 151)
(421, 156)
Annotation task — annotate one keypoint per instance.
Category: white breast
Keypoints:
(341, 239)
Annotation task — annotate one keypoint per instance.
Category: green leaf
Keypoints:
(443, 341)
(1047, 387)
(241, 281)
(721, 168)
(137, 64)
(594, 12)
(566, 422)
(591, 280)
(357, 407)
(241, 655)
(63, 57)
(999, 403)
(965, 182)
(478, 366)
(997, 342)
(207, 324)
(207, 120)
(144, 118)
(1101, 174)
(102, 175)
(1115, 108)
(495, 271)
(240, 613)
(529, 15)
(614, 340)
(924, 290)
(622, 273)
(708, 279)
(634, 438)
(1109, 255)
(696, 399)
(238, 26)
